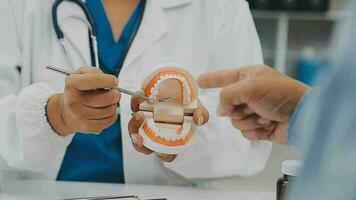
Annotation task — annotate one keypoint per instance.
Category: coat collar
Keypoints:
(174, 3)
(154, 25)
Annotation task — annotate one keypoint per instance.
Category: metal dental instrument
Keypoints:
(136, 94)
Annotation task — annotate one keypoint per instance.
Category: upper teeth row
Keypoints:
(186, 89)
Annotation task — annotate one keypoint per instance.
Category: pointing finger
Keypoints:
(226, 77)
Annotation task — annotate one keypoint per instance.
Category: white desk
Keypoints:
(59, 190)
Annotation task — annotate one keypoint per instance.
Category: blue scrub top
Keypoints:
(98, 158)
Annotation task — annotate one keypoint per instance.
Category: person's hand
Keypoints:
(88, 104)
(258, 99)
(201, 116)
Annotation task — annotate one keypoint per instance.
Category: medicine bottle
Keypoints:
(289, 170)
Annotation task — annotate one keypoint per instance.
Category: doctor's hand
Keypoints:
(200, 117)
(258, 99)
(88, 104)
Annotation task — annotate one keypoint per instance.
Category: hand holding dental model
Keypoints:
(167, 127)
(84, 106)
(258, 99)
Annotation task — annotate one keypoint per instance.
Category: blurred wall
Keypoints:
(337, 4)
(312, 30)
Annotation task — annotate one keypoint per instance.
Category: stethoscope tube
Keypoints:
(91, 26)
(82, 5)
(92, 31)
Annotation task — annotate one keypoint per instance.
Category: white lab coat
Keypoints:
(202, 35)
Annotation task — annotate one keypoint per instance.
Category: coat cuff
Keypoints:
(44, 125)
(46, 131)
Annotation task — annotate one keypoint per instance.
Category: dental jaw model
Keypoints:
(169, 127)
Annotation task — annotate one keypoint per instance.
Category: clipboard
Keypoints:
(132, 197)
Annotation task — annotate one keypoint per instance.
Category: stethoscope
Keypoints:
(92, 31)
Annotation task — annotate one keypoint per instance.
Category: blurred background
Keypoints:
(295, 36)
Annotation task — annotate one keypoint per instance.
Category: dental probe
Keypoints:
(132, 93)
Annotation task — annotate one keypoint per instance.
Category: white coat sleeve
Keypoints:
(27, 141)
(221, 150)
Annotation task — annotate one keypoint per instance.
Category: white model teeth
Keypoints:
(186, 89)
(154, 91)
(167, 136)
(154, 97)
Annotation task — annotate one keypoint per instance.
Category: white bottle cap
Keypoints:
(291, 167)
(309, 53)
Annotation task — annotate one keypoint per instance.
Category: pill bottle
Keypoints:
(289, 170)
